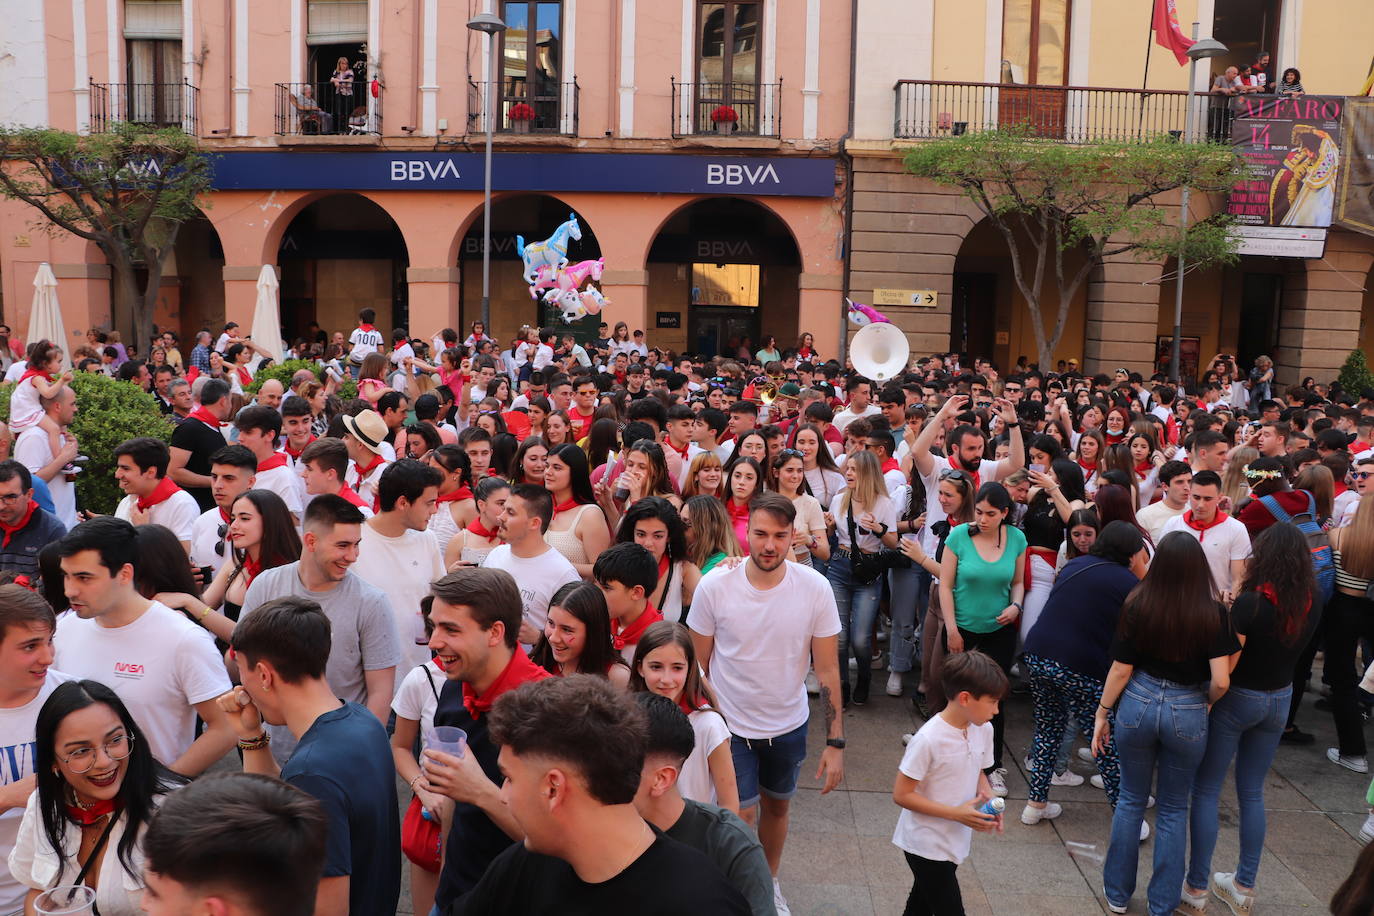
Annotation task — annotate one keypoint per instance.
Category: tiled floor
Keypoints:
(839, 858)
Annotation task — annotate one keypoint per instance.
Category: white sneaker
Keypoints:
(906, 738)
(1144, 831)
(894, 683)
(779, 901)
(1367, 831)
(1112, 907)
(1358, 764)
(1066, 778)
(1031, 815)
(1085, 754)
(1095, 780)
(813, 686)
(1190, 903)
(998, 781)
(1224, 886)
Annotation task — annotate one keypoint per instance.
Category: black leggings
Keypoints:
(935, 892)
(1000, 644)
(1347, 621)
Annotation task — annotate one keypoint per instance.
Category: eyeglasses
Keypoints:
(219, 539)
(82, 759)
(10, 499)
(1363, 475)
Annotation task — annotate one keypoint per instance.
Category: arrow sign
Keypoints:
(924, 298)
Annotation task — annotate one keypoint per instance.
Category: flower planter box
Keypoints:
(520, 127)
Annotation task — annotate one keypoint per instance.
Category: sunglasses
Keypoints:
(1363, 475)
(219, 540)
(790, 453)
(954, 474)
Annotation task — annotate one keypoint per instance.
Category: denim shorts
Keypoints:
(768, 765)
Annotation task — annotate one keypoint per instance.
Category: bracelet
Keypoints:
(203, 614)
(1100, 706)
(255, 744)
(418, 777)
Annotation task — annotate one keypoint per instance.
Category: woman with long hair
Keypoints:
(645, 474)
(809, 537)
(710, 535)
(1091, 448)
(479, 537)
(806, 347)
(706, 476)
(1080, 534)
(653, 523)
(98, 787)
(866, 522)
(529, 463)
(1170, 662)
(665, 663)
(499, 389)
(1146, 460)
(1349, 621)
(557, 429)
(743, 481)
(982, 593)
(489, 418)
(420, 440)
(1067, 657)
(1274, 617)
(577, 636)
(538, 410)
(823, 476)
(1117, 462)
(769, 352)
(1318, 481)
(750, 445)
(456, 509)
(1117, 426)
(602, 441)
(263, 537)
(578, 529)
(1235, 487)
(1056, 494)
(1113, 503)
(315, 395)
(372, 378)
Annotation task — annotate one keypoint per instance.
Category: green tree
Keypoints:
(1050, 200)
(128, 190)
(1355, 375)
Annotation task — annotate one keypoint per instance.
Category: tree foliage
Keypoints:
(1050, 200)
(127, 190)
(1355, 376)
(283, 372)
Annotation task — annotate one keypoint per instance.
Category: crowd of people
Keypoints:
(574, 595)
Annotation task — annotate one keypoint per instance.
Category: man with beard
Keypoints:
(766, 601)
(537, 568)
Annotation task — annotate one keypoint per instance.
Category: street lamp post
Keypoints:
(490, 24)
(1200, 50)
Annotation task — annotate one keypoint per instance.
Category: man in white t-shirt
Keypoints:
(757, 628)
(27, 678)
(1363, 477)
(33, 450)
(366, 442)
(1175, 479)
(860, 393)
(153, 499)
(232, 472)
(538, 569)
(1224, 539)
(399, 555)
(164, 667)
(259, 428)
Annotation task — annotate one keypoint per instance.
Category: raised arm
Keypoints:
(920, 449)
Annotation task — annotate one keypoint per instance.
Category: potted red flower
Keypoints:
(724, 118)
(521, 117)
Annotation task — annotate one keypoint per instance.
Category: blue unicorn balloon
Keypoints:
(552, 252)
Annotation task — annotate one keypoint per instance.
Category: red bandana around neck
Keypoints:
(565, 506)
(366, 327)
(1145, 467)
(88, 816)
(1200, 527)
(736, 511)
(463, 492)
(891, 464)
(371, 466)
(204, 415)
(296, 453)
(953, 460)
(681, 451)
(245, 377)
(251, 567)
(482, 531)
(161, 493)
(11, 529)
(351, 495)
(224, 516)
(629, 636)
(278, 460)
(32, 373)
(519, 670)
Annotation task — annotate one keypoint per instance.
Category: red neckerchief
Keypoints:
(11, 529)
(682, 704)
(519, 670)
(1199, 527)
(1114, 438)
(629, 636)
(1088, 469)
(204, 415)
(192, 374)
(161, 493)
(482, 531)
(251, 567)
(296, 453)
(1144, 467)
(88, 816)
(566, 505)
(397, 346)
(351, 495)
(891, 465)
(1340, 487)
(245, 377)
(371, 466)
(278, 460)
(1292, 623)
(663, 567)
(681, 451)
(225, 516)
(736, 511)
(366, 327)
(30, 373)
(953, 460)
(463, 492)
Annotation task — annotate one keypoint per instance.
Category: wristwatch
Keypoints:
(835, 743)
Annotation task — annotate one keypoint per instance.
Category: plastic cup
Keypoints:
(66, 900)
(449, 739)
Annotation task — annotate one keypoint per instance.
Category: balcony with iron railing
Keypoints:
(147, 104)
(727, 109)
(320, 109)
(928, 109)
(550, 112)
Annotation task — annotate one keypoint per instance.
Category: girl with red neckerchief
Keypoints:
(529, 463)
(654, 524)
(706, 477)
(456, 508)
(470, 546)
(578, 529)
(371, 382)
(1117, 426)
(1091, 448)
(743, 481)
(577, 636)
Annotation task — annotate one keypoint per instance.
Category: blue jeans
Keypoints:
(1245, 725)
(858, 607)
(1158, 725)
(910, 589)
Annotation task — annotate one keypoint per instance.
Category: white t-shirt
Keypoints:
(536, 577)
(762, 644)
(364, 342)
(885, 511)
(946, 761)
(1221, 543)
(1342, 508)
(1155, 516)
(418, 696)
(177, 512)
(31, 450)
(402, 567)
(205, 535)
(987, 471)
(286, 484)
(15, 372)
(161, 665)
(694, 781)
(17, 749)
(849, 415)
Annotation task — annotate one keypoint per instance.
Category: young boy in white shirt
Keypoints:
(941, 783)
(365, 338)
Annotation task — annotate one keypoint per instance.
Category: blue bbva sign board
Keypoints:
(550, 172)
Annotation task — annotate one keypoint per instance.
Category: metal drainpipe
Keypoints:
(849, 172)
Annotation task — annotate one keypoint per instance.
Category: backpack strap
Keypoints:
(1275, 509)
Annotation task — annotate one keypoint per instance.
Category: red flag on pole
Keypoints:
(1167, 32)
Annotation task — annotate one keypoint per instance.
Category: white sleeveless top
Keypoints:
(443, 526)
(567, 542)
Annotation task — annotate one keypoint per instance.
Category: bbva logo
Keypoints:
(717, 173)
(422, 170)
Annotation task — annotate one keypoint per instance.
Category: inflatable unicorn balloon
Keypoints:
(860, 314)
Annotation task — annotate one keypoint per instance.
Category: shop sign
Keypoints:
(1280, 241)
(927, 298)
(630, 173)
(667, 319)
